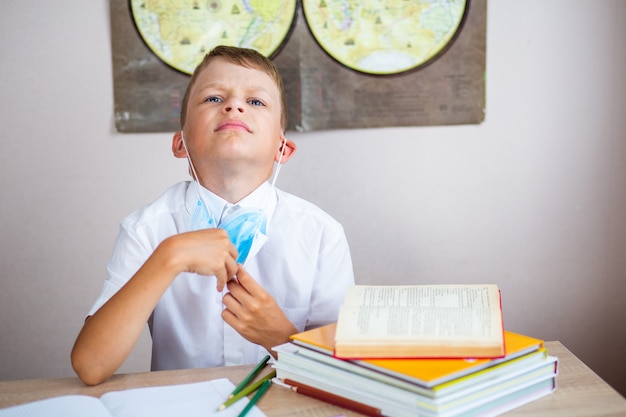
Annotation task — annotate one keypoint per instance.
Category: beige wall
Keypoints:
(533, 199)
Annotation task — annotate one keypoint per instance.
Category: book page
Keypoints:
(190, 400)
(65, 406)
(432, 312)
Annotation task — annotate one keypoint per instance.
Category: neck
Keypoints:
(231, 189)
(231, 181)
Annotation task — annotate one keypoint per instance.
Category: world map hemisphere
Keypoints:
(365, 36)
(181, 33)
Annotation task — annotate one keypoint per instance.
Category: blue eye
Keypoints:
(213, 99)
(256, 102)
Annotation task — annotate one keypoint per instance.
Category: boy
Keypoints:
(174, 269)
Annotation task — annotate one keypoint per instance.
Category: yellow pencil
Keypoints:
(250, 376)
(247, 391)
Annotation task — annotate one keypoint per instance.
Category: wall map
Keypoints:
(346, 64)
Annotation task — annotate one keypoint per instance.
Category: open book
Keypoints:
(189, 400)
(420, 321)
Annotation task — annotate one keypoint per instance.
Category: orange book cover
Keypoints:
(429, 372)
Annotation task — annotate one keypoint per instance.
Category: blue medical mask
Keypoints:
(246, 227)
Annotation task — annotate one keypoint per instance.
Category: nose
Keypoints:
(234, 105)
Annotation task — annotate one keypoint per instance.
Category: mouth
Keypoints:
(233, 124)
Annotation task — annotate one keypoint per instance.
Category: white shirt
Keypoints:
(305, 265)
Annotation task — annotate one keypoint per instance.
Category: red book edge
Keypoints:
(332, 398)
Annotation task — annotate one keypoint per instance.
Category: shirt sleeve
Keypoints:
(128, 256)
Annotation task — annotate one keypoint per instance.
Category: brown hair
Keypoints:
(244, 57)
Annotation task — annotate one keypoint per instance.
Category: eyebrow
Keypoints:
(221, 86)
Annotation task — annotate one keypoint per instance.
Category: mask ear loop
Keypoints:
(193, 169)
(274, 178)
(195, 176)
(276, 171)
(280, 159)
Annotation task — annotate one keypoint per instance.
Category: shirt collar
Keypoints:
(263, 197)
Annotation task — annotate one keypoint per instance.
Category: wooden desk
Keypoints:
(580, 392)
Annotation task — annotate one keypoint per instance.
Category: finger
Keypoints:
(249, 306)
(221, 282)
(232, 250)
(227, 275)
(235, 312)
(233, 320)
(220, 235)
(229, 269)
(238, 291)
(246, 281)
(229, 318)
(231, 303)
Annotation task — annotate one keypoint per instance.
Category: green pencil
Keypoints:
(250, 376)
(247, 391)
(256, 398)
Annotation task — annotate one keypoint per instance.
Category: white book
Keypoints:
(420, 321)
(199, 399)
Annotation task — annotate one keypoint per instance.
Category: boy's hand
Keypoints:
(253, 312)
(205, 252)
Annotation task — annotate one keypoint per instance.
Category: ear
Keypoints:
(178, 146)
(290, 149)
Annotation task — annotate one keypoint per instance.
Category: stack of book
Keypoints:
(383, 380)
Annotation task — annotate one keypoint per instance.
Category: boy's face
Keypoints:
(233, 119)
